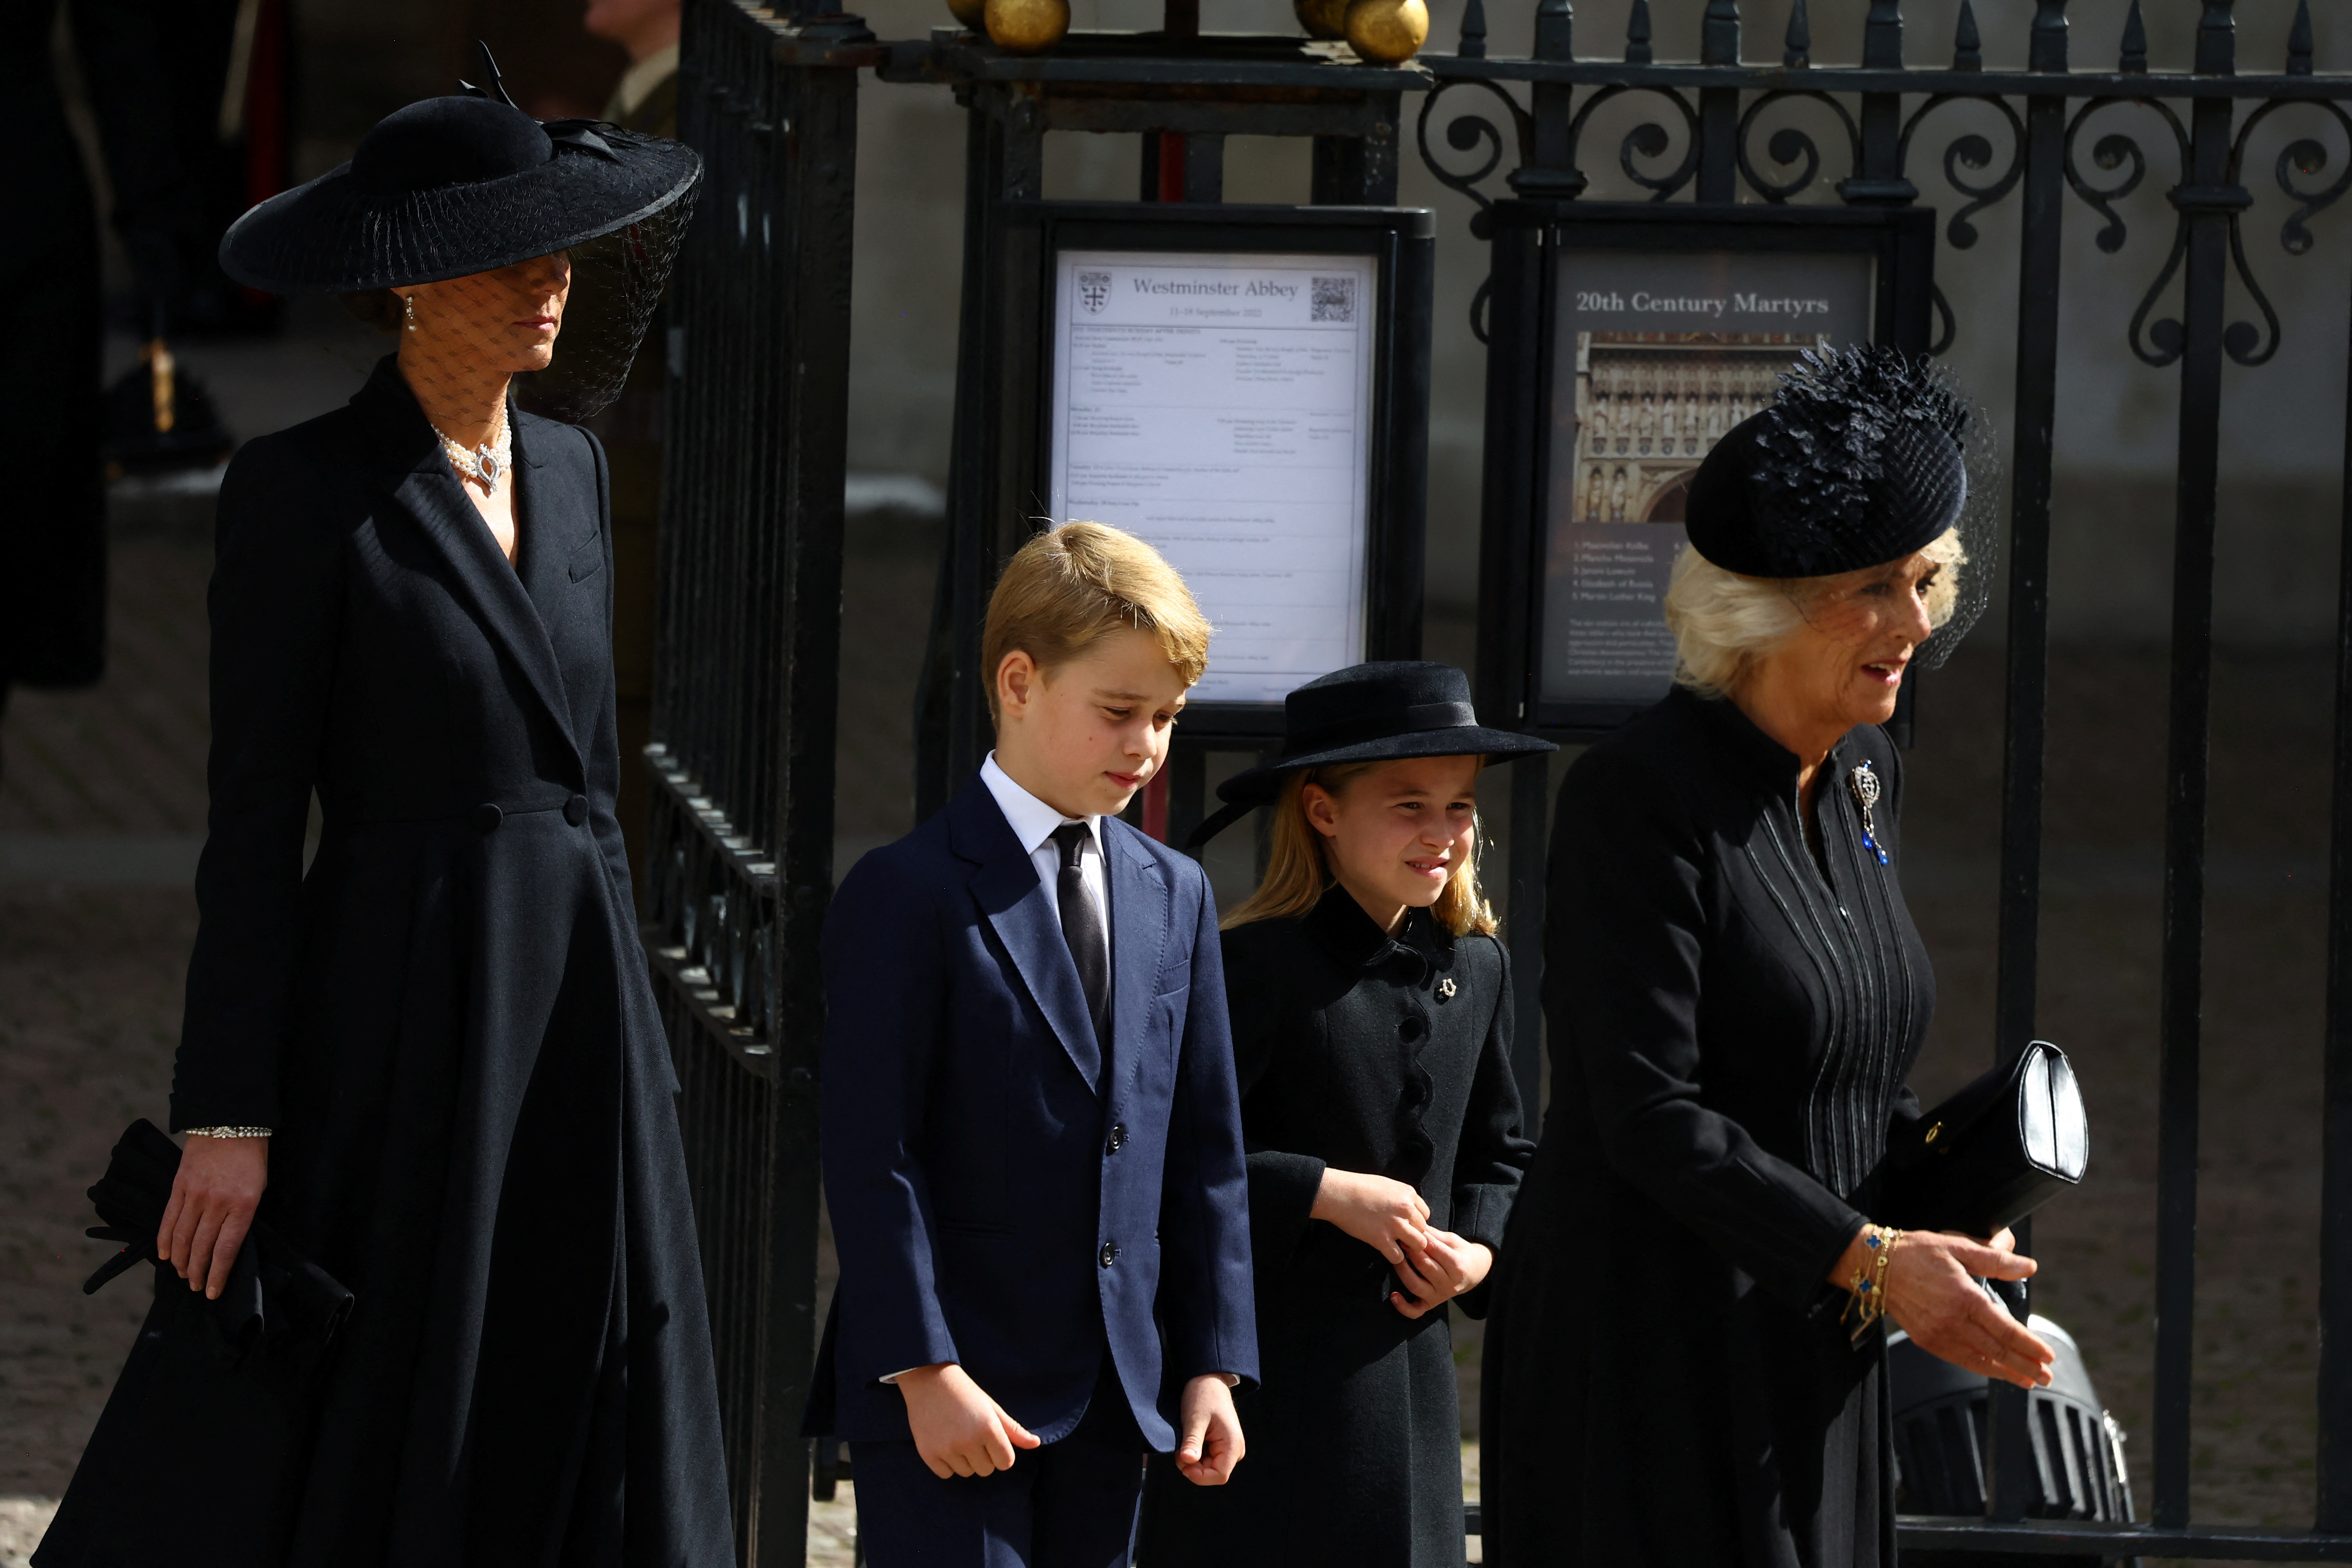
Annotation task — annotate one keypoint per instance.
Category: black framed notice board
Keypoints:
(1624, 341)
(1247, 388)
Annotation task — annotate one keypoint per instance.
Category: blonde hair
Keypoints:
(1298, 867)
(1068, 589)
(1723, 623)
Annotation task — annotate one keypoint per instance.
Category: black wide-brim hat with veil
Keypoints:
(1377, 712)
(451, 186)
(1867, 456)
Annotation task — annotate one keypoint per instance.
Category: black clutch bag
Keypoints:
(1993, 1152)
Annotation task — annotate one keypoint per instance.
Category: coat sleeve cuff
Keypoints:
(1282, 1191)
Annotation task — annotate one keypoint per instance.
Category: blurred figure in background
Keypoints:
(53, 532)
(645, 99)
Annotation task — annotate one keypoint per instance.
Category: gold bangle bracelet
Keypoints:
(1868, 1303)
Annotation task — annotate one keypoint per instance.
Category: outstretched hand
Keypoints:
(213, 1198)
(958, 1429)
(1931, 1296)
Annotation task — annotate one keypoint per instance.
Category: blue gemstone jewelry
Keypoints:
(1864, 782)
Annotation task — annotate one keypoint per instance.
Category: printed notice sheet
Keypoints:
(1221, 408)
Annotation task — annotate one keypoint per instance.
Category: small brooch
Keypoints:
(1445, 988)
(1864, 783)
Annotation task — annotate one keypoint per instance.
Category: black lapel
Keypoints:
(544, 554)
(428, 492)
(1016, 902)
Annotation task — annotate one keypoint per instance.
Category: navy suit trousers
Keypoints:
(1070, 1504)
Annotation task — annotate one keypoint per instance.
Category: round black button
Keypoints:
(575, 810)
(1117, 1135)
(487, 817)
(1413, 1028)
(1109, 1253)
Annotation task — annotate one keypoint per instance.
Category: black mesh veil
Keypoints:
(616, 290)
(1979, 528)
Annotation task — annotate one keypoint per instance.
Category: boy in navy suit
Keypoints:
(1032, 1149)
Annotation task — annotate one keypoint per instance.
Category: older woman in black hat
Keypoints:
(1372, 1040)
(1685, 1363)
(433, 1058)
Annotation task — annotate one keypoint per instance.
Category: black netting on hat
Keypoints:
(616, 291)
(1979, 528)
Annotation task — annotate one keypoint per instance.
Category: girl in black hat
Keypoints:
(431, 1064)
(1372, 1037)
(1685, 1363)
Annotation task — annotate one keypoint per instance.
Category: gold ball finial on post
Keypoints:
(1027, 26)
(1387, 32)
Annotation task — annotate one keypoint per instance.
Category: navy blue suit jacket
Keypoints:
(1005, 1194)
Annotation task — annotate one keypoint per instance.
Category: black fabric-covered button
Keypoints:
(1109, 1253)
(1413, 1028)
(575, 810)
(487, 817)
(1117, 1135)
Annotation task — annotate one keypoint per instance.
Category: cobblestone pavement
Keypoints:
(92, 953)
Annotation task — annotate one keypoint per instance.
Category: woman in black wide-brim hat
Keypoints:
(1371, 1019)
(1685, 1359)
(433, 1056)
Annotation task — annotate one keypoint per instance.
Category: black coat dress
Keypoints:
(448, 1024)
(1365, 1054)
(1667, 1380)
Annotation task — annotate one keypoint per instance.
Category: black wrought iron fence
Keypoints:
(750, 640)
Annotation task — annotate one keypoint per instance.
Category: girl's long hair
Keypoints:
(1299, 871)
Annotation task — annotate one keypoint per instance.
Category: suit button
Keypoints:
(487, 817)
(575, 810)
(1109, 1253)
(1413, 1028)
(1117, 1135)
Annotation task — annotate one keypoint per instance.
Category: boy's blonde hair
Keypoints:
(1068, 588)
(1298, 875)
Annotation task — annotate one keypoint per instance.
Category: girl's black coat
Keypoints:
(1364, 1054)
(448, 1024)
(1666, 1379)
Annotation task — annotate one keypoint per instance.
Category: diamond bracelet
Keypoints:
(228, 1131)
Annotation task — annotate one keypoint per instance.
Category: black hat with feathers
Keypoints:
(1859, 461)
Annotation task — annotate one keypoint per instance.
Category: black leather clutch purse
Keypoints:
(1993, 1152)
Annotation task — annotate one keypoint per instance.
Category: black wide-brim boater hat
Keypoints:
(451, 186)
(1858, 461)
(1376, 713)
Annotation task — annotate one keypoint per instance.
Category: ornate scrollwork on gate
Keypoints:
(1791, 145)
(1465, 132)
(2158, 343)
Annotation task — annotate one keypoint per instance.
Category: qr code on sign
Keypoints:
(1334, 299)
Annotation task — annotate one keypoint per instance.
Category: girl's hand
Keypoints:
(1385, 1215)
(1444, 1269)
(1931, 1297)
(211, 1208)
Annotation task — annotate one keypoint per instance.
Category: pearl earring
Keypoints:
(408, 308)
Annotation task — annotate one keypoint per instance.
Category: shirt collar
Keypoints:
(637, 83)
(1031, 820)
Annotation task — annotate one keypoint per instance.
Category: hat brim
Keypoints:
(331, 235)
(1255, 787)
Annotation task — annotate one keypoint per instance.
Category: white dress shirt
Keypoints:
(1033, 824)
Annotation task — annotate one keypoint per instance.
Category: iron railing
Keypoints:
(749, 644)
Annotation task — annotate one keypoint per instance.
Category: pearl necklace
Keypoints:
(486, 463)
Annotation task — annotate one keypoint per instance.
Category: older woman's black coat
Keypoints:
(1364, 1054)
(1731, 1018)
(448, 1025)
